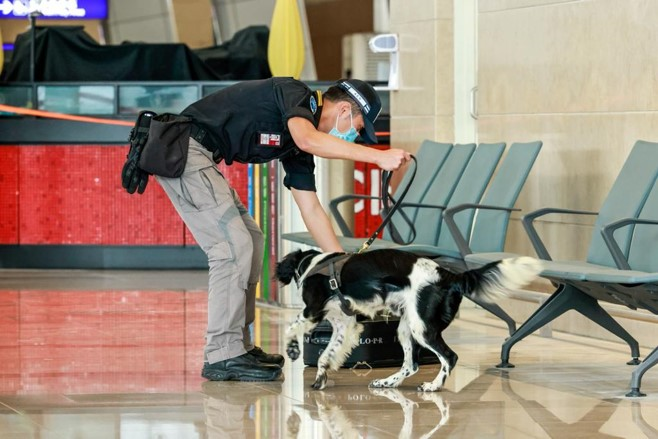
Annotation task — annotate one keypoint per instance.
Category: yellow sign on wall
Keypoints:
(2, 52)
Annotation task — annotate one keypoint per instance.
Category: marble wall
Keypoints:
(423, 108)
(580, 75)
(147, 21)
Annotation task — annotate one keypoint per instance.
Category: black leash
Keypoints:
(386, 180)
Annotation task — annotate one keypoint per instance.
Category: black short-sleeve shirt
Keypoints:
(248, 123)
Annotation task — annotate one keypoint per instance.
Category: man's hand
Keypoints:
(392, 159)
(133, 178)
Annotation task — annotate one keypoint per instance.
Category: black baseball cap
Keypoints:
(369, 103)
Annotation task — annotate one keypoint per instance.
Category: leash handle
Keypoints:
(386, 179)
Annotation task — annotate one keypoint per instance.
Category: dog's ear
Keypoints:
(285, 269)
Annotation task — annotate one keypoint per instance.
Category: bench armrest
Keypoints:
(608, 232)
(449, 218)
(340, 221)
(530, 230)
(423, 205)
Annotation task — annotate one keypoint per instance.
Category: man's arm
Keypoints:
(320, 144)
(316, 220)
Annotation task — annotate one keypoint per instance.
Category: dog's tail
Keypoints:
(496, 279)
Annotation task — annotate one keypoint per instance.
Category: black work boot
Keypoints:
(243, 368)
(266, 358)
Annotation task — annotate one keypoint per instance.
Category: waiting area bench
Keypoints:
(462, 195)
(621, 265)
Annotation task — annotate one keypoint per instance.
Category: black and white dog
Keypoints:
(424, 295)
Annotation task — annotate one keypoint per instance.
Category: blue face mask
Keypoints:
(349, 135)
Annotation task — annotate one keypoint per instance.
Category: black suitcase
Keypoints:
(378, 345)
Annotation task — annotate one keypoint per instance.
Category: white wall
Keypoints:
(146, 21)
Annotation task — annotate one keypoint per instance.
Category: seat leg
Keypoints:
(636, 377)
(498, 312)
(590, 308)
(564, 299)
(557, 304)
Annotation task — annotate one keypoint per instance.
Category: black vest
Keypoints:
(247, 122)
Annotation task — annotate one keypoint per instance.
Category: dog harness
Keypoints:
(332, 268)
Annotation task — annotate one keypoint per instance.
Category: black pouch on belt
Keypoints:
(165, 152)
(132, 177)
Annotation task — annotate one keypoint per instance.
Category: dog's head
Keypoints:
(293, 265)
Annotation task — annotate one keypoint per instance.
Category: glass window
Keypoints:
(385, 96)
(16, 96)
(210, 89)
(79, 99)
(161, 99)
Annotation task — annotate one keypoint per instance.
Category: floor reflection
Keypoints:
(241, 410)
(589, 425)
(125, 364)
(101, 342)
(408, 407)
(638, 418)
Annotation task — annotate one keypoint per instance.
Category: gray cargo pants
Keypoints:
(233, 242)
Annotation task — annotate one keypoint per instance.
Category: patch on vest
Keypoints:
(313, 104)
(270, 139)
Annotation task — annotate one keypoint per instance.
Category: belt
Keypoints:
(200, 135)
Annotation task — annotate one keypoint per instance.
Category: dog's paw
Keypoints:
(293, 350)
(428, 387)
(320, 382)
(381, 384)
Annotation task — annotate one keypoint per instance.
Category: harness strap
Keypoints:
(332, 268)
(322, 266)
(334, 284)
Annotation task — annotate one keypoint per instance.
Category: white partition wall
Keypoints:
(290, 220)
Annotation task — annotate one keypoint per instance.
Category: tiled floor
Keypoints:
(118, 355)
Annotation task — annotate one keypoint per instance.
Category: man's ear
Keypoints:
(344, 109)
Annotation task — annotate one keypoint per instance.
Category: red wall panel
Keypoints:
(237, 176)
(134, 219)
(9, 194)
(367, 181)
(72, 194)
(59, 188)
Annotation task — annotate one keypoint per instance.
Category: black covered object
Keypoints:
(67, 53)
(242, 57)
(378, 345)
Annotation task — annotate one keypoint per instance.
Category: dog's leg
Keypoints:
(349, 332)
(295, 333)
(340, 345)
(409, 367)
(448, 359)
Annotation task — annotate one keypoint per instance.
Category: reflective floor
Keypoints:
(118, 355)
